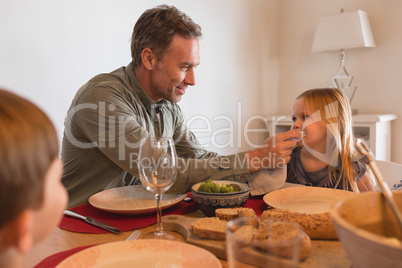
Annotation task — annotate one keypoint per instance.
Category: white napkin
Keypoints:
(267, 180)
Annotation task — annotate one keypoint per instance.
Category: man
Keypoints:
(112, 112)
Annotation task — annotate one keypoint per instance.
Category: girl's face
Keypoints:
(54, 202)
(304, 118)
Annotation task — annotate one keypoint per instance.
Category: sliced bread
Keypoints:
(229, 214)
(211, 228)
(277, 237)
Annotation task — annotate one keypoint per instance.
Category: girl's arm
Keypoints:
(365, 184)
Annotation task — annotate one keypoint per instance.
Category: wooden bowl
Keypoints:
(368, 230)
(209, 202)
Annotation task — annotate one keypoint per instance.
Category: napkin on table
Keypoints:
(267, 180)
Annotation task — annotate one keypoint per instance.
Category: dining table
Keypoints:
(63, 243)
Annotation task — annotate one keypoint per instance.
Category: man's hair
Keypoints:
(28, 146)
(156, 28)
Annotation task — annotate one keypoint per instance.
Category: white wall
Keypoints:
(48, 49)
(377, 71)
(253, 52)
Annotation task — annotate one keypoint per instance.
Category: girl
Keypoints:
(32, 198)
(326, 156)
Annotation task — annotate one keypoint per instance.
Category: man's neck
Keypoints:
(144, 78)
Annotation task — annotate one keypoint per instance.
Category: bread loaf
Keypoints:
(279, 238)
(247, 233)
(211, 228)
(255, 233)
(229, 214)
(317, 226)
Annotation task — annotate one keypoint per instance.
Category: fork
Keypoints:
(134, 235)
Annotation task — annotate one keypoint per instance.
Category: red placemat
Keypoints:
(131, 222)
(256, 203)
(123, 222)
(55, 259)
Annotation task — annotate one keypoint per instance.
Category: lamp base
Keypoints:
(342, 79)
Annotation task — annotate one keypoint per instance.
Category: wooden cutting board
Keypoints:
(182, 225)
(324, 253)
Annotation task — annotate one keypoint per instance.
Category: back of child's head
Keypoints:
(28, 146)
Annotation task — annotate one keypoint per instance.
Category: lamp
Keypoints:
(339, 32)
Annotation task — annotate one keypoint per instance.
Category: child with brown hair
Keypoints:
(326, 156)
(32, 198)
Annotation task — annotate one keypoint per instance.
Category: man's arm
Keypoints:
(274, 153)
(116, 127)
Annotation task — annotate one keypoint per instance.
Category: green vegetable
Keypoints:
(211, 187)
(236, 187)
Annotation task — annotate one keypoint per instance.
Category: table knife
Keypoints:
(92, 221)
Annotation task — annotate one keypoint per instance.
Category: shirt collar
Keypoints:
(135, 84)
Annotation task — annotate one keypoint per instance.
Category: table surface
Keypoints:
(323, 254)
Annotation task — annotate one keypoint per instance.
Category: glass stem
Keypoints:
(159, 226)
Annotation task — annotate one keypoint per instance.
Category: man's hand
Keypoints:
(274, 152)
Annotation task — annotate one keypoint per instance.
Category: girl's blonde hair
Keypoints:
(335, 111)
(28, 146)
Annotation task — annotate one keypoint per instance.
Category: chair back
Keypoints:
(391, 172)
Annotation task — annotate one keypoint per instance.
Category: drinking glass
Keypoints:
(262, 242)
(157, 169)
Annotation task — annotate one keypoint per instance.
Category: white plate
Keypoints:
(131, 200)
(310, 200)
(142, 253)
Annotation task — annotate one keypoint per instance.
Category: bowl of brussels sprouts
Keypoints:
(213, 194)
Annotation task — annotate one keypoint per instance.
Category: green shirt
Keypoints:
(105, 123)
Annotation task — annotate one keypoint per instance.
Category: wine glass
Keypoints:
(157, 169)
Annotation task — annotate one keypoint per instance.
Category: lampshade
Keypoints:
(343, 31)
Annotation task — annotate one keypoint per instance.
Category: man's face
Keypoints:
(175, 71)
